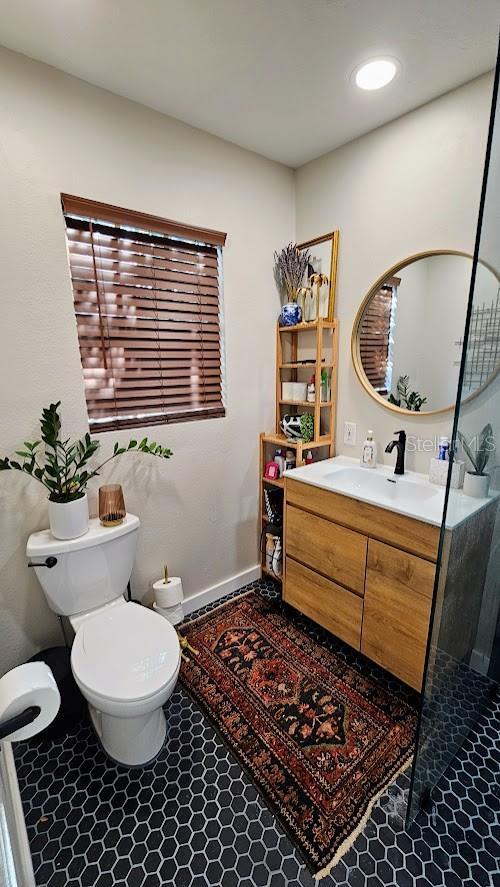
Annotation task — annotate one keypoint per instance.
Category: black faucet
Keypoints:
(400, 444)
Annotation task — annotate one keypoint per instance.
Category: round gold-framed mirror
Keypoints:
(407, 337)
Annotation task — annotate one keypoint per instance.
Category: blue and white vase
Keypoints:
(291, 314)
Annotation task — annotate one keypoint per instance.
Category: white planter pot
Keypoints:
(476, 485)
(68, 520)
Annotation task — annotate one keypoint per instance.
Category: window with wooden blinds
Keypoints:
(374, 336)
(147, 298)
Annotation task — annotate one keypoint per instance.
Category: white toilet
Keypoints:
(125, 658)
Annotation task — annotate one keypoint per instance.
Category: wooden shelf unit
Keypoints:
(324, 413)
(277, 482)
(313, 366)
(305, 403)
(304, 365)
(306, 325)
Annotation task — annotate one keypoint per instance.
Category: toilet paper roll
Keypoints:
(175, 615)
(24, 686)
(168, 594)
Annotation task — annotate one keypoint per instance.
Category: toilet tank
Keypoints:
(90, 571)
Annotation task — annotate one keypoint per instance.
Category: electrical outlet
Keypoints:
(350, 434)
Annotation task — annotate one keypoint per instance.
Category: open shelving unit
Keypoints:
(301, 351)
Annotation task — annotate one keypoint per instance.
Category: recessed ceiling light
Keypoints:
(376, 73)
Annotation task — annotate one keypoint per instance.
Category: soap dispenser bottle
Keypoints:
(369, 452)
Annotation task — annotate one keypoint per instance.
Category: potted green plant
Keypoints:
(409, 400)
(477, 482)
(307, 427)
(62, 467)
(290, 266)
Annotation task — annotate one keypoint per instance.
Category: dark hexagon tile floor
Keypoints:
(193, 819)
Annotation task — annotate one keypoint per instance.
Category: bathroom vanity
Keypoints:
(360, 556)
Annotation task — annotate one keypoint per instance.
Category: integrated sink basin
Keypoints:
(406, 490)
(410, 494)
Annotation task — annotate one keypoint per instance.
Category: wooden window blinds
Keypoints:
(374, 336)
(147, 299)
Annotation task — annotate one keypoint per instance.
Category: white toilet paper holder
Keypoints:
(12, 725)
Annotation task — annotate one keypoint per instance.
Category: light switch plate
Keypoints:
(350, 434)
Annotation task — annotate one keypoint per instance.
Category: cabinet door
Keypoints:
(338, 553)
(398, 597)
(331, 606)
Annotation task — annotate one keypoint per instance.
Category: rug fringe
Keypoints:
(349, 841)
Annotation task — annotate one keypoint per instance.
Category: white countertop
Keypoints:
(410, 494)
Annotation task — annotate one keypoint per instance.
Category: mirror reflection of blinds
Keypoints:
(147, 306)
(374, 339)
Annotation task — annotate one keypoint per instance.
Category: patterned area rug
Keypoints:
(320, 740)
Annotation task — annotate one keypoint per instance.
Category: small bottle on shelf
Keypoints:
(444, 449)
(280, 461)
(311, 390)
(324, 387)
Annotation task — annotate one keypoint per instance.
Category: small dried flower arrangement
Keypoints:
(290, 267)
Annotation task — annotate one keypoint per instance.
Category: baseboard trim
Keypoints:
(216, 592)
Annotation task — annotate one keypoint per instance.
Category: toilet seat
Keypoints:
(125, 653)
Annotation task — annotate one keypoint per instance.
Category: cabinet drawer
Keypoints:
(335, 551)
(398, 597)
(333, 607)
(397, 529)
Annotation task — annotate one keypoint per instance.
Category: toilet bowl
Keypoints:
(125, 658)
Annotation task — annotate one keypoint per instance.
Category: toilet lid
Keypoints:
(125, 653)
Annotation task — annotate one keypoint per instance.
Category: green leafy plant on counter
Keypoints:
(478, 451)
(307, 427)
(409, 400)
(62, 466)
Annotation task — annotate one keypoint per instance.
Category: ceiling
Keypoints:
(273, 76)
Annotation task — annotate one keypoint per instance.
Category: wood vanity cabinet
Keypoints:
(327, 547)
(362, 572)
(397, 605)
(325, 602)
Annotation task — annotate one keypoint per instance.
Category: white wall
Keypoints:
(409, 186)
(430, 320)
(198, 511)
(446, 297)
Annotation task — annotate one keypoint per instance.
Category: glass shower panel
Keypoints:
(16, 869)
(463, 659)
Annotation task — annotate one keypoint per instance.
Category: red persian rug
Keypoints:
(320, 740)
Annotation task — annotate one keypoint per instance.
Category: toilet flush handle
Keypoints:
(48, 562)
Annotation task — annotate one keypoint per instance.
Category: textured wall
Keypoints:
(199, 510)
(409, 186)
